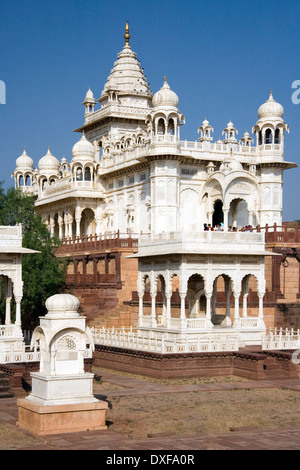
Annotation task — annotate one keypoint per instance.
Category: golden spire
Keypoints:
(127, 35)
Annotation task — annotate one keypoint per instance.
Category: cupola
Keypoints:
(49, 163)
(24, 162)
(83, 150)
(165, 97)
(89, 101)
(270, 109)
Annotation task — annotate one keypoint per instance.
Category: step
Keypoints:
(5, 391)
(6, 395)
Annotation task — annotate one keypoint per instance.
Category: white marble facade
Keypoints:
(130, 171)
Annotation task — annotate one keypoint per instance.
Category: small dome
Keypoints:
(24, 162)
(83, 149)
(89, 97)
(205, 124)
(59, 304)
(224, 167)
(49, 162)
(270, 108)
(235, 165)
(230, 127)
(165, 97)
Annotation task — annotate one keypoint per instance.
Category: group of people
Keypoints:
(220, 228)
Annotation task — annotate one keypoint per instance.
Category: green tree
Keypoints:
(43, 273)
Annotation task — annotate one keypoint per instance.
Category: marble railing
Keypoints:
(13, 357)
(163, 343)
(281, 339)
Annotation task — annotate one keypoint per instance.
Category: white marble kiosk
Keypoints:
(12, 345)
(198, 259)
(62, 397)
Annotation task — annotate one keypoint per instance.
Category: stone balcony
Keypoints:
(207, 242)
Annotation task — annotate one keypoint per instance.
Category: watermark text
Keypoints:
(2, 92)
(296, 93)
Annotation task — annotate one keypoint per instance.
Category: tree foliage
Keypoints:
(43, 273)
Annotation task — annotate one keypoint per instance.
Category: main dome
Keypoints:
(165, 97)
(127, 77)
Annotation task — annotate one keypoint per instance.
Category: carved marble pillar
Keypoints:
(168, 309)
(153, 292)
(261, 305)
(141, 291)
(225, 212)
(236, 294)
(60, 225)
(18, 310)
(182, 295)
(245, 296)
(227, 319)
(8, 297)
(208, 295)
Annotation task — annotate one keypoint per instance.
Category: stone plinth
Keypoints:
(42, 420)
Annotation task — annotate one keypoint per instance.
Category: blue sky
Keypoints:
(222, 58)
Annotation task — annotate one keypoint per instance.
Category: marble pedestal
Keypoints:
(61, 404)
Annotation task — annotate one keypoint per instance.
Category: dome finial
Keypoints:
(127, 35)
(271, 96)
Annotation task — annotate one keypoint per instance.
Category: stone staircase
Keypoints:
(276, 368)
(5, 391)
(272, 369)
(253, 362)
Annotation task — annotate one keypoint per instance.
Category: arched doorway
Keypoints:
(195, 296)
(249, 295)
(87, 223)
(218, 215)
(221, 300)
(161, 300)
(238, 213)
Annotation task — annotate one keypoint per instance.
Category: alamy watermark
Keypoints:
(296, 94)
(296, 357)
(2, 92)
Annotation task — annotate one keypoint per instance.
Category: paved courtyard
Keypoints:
(245, 438)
